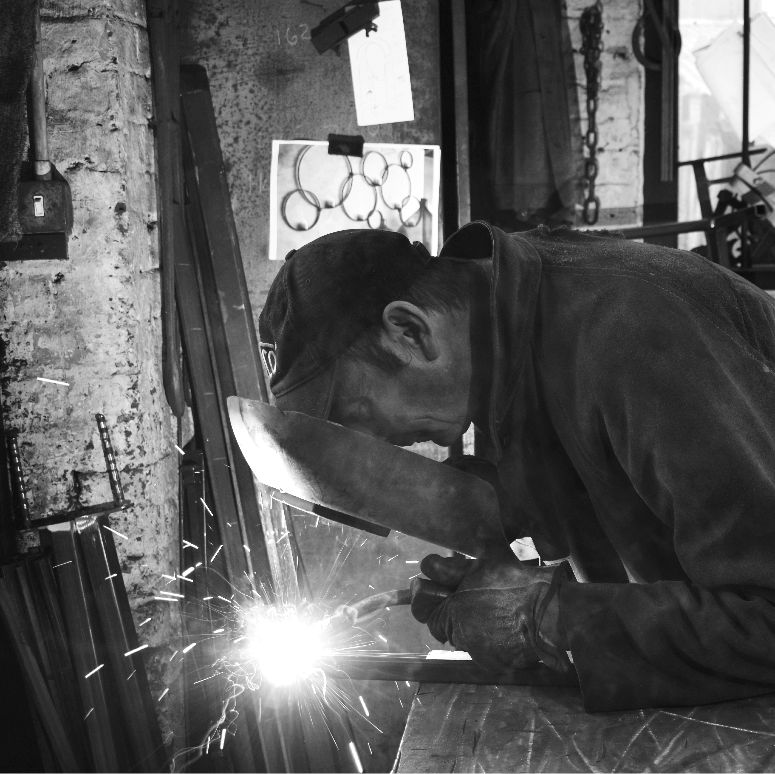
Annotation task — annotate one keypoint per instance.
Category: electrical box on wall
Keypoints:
(46, 218)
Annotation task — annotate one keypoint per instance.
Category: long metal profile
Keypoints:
(106, 748)
(208, 414)
(11, 607)
(221, 233)
(204, 693)
(378, 666)
(228, 320)
(115, 618)
(462, 140)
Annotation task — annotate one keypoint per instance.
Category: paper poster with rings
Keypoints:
(392, 187)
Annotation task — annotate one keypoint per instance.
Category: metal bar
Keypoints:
(37, 107)
(706, 224)
(221, 234)
(107, 585)
(110, 460)
(107, 749)
(21, 507)
(165, 155)
(377, 666)
(726, 156)
(462, 141)
(208, 414)
(42, 636)
(746, 79)
(12, 609)
(46, 590)
(703, 188)
(200, 694)
(7, 504)
(228, 320)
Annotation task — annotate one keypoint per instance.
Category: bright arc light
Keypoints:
(284, 647)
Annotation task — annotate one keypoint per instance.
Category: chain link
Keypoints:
(591, 47)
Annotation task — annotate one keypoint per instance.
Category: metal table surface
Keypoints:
(466, 728)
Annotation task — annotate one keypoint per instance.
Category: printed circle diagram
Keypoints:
(328, 182)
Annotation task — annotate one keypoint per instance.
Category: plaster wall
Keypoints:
(93, 321)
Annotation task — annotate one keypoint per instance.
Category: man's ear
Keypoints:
(410, 328)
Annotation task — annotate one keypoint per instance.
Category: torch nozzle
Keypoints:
(354, 615)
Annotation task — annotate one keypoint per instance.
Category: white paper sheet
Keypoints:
(380, 70)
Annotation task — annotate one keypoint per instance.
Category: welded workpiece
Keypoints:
(330, 465)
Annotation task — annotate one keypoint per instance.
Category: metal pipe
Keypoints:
(746, 78)
(37, 92)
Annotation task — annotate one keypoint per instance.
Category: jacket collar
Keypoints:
(514, 284)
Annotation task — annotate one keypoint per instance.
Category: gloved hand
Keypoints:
(493, 608)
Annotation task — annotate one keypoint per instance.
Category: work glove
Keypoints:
(493, 609)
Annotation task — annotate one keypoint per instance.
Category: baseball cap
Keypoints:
(325, 296)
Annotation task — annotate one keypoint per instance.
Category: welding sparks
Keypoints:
(180, 451)
(136, 650)
(188, 544)
(147, 620)
(172, 594)
(165, 599)
(115, 532)
(356, 758)
(62, 564)
(217, 551)
(163, 694)
(187, 571)
(188, 647)
(53, 381)
(94, 671)
(112, 575)
(413, 561)
(363, 704)
(88, 713)
(207, 507)
(223, 737)
(284, 646)
(382, 638)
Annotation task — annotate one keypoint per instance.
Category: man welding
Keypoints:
(626, 397)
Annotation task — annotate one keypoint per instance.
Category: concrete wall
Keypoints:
(93, 321)
(620, 112)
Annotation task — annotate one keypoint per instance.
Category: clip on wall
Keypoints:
(343, 24)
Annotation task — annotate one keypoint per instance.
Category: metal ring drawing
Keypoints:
(301, 226)
(372, 188)
(369, 180)
(400, 202)
(300, 185)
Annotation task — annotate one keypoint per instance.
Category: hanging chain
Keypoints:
(591, 47)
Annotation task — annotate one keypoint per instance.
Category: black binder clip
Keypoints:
(342, 24)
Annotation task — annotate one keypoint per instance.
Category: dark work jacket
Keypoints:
(632, 421)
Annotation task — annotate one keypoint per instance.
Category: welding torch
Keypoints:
(363, 612)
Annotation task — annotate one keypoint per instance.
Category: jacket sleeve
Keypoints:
(684, 407)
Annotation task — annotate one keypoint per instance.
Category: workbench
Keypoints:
(462, 728)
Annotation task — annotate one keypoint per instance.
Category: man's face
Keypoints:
(403, 408)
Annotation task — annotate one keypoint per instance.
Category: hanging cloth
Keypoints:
(530, 137)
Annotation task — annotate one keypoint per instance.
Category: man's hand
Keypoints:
(493, 608)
